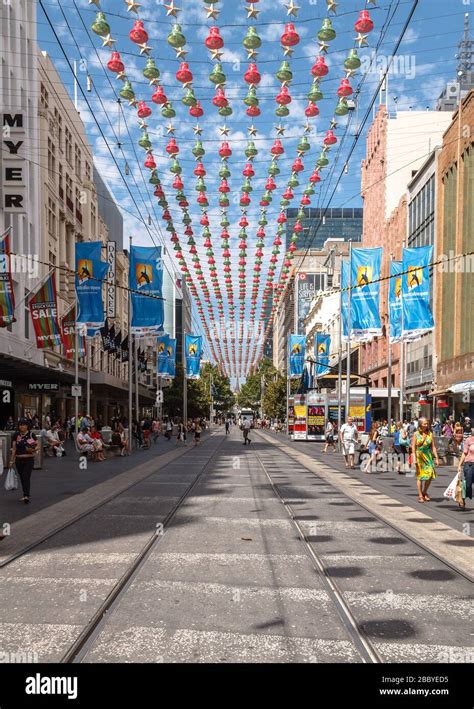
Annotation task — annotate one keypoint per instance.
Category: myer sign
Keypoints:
(14, 167)
(43, 387)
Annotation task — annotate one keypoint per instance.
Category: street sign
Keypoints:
(159, 397)
(111, 301)
(76, 390)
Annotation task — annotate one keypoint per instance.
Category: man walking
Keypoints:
(227, 426)
(349, 436)
(246, 429)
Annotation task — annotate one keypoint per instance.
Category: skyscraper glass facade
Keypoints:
(337, 223)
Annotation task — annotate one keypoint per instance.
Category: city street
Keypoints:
(266, 554)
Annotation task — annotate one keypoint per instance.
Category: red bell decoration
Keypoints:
(292, 247)
(224, 234)
(208, 244)
(188, 231)
(283, 97)
(305, 200)
(345, 89)
(199, 170)
(166, 216)
(311, 110)
(226, 253)
(264, 202)
(270, 184)
(315, 177)
(204, 221)
(242, 262)
(226, 269)
(177, 183)
(225, 151)
(243, 222)
(261, 233)
(244, 199)
(115, 64)
(330, 138)
(172, 148)
(183, 203)
(320, 68)
(143, 110)
(252, 75)
(183, 74)
(213, 39)
(150, 162)
(159, 192)
(219, 99)
(297, 227)
(193, 250)
(364, 24)
(253, 111)
(277, 148)
(196, 111)
(202, 199)
(211, 260)
(274, 259)
(138, 34)
(248, 170)
(159, 96)
(297, 165)
(288, 193)
(289, 37)
(281, 219)
(224, 187)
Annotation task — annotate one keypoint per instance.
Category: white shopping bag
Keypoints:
(450, 491)
(11, 481)
(1, 461)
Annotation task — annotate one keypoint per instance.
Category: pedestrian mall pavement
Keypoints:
(249, 544)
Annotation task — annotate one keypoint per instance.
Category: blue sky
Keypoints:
(427, 61)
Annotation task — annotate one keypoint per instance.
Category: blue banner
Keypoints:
(171, 347)
(193, 345)
(395, 301)
(416, 292)
(365, 316)
(345, 297)
(322, 345)
(296, 353)
(90, 272)
(146, 277)
(162, 364)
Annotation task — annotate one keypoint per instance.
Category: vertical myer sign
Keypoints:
(13, 162)
(111, 258)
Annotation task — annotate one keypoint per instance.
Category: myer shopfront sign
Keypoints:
(14, 168)
(43, 387)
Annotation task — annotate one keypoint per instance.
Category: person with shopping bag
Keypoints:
(466, 472)
(425, 454)
(23, 455)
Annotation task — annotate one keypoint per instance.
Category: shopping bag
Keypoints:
(450, 491)
(1, 462)
(11, 481)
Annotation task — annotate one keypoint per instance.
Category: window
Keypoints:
(44, 97)
(51, 159)
(88, 171)
(93, 220)
(69, 201)
(78, 205)
(60, 181)
(78, 161)
(27, 314)
(52, 220)
(68, 139)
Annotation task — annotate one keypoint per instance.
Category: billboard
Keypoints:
(307, 285)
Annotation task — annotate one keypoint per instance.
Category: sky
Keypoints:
(425, 62)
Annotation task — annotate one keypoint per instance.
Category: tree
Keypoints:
(250, 392)
(274, 399)
(199, 395)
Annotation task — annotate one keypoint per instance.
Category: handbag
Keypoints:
(11, 481)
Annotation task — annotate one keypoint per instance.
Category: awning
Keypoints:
(462, 387)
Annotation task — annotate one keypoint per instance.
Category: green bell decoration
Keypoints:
(189, 99)
(168, 111)
(176, 38)
(217, 76)
(151, 71)
(262, 222)
(308, 191)
(258, 259)
(144, 142)
(201, 185)
(100, 26)
(247, 187)
(225, 111)
(198, 150)
(352, 61)
(281, 229)
(301, 214)
(175, 167)
(224, 172)
(225, 222)
(273, 170)
(282, 111)
(163, 203)
(342, 109)
(241, 269)
(223, 201)
(326, 33)
(127, 91)
(169, 227)
(154, 179)
(303, 145)
(251, 151)
(284, 73)
(180, 195)
(322, 161)
(242, 254)
(209, 253)
(251, 39)
(267, 196)
(284, 202)
(294, 237)
(226, 261)
(195, 258)
(275, 251)
(206, 233)
(191, 242)
(285, 269)
(251, 98)
(315, 93)
(186, 220)
(225, 244)
(242, 234)
(177, 247)
(293, 181)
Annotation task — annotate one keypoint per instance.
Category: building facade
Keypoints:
(319, 225)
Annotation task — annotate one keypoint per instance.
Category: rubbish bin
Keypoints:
(5, 446)
(39, 455)
(106, 433)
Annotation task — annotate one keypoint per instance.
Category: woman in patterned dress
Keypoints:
(424, 450)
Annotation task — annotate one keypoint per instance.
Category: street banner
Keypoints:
(104, 333)
(44, 314)
(395, 301)
(171, 358)
(90, 272)
(321, 351)
(416, 292)
(345, 298)
(111, 340)
(146, 277)
(193, 349)
(7, 295)
(296, 353)
(162, 364)
(365, 316)
(124, 350)
(68, 329)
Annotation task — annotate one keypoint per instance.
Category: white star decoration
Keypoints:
(361, 40)
(280, 130)
(171, 9)
(132, 6)
(144, 49)
(252, 12)
(197, 130)
(170, 129)
(107, 41)
(224, 131)
(292, 8)
(252, 130)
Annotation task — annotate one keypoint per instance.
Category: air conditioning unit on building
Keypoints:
(453, 91)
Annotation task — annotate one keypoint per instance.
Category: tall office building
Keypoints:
(319, 225)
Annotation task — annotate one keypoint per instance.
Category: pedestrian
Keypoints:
(447, 429)
(372, 449)
(349, 437)
(467, 427)
(246, 425)
(197, 433)
(329, 436)
(22, 455)
(437, 427)
(227, 426)
(10, 424)
(426, 454)
(156, 429)
(181, 433)
(466, 470)
(169, 430)
(397, 446)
